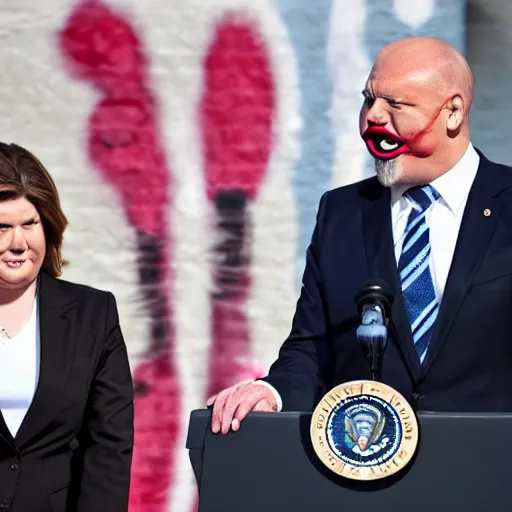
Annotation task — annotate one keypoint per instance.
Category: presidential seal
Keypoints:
(364, 430)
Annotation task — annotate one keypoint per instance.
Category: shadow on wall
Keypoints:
(488, 50)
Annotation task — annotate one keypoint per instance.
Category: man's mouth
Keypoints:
(383, 144)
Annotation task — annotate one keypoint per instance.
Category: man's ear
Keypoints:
(457, 112)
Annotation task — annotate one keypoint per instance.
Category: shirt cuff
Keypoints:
(277, 396)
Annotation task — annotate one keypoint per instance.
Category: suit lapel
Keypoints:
(56, 315)
(378, 236)
(473, 241)
(5, 433)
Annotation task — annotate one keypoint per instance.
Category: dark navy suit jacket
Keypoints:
(469, 363)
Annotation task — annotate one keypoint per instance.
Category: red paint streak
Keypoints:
(124, 144)
(103, 49)
(237, 112)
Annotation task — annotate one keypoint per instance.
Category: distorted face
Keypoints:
(22, 243)
(400, 120)
(362, 441)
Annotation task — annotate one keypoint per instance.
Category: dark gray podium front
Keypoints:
(463, 463)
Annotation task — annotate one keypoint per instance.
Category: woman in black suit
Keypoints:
(66, 396)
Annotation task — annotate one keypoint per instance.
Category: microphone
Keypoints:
(374, 301)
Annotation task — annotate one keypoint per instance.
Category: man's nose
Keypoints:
(377, 114)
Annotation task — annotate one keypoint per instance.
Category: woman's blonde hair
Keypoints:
(23, 175)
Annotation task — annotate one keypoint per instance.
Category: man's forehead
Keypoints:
(384, 82)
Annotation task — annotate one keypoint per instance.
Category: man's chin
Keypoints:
(387, 172)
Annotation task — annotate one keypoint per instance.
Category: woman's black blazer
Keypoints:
(73, 449)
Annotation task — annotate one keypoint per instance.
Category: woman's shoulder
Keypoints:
(79, 292)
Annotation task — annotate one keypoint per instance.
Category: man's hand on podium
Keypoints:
(233, 404)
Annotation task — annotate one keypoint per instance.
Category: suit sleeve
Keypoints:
(108, 426)
(302, 372)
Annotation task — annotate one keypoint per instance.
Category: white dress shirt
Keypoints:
(19, 372)
(443, 219)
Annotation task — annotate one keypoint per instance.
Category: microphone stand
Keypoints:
(374, 301)
(372, 334)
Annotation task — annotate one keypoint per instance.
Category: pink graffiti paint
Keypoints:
(237, 109)
(103, 49)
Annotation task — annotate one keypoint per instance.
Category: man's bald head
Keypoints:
(429, 61)
(415, 118)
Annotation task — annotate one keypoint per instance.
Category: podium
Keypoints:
(463, 462)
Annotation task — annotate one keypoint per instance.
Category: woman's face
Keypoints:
(22, 243)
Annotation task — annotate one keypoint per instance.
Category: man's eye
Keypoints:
(369, 101)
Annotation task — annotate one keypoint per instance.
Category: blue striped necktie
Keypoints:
(417, 287)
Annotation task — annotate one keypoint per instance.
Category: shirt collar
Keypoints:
(453, 186)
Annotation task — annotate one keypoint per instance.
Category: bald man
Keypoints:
(436, 225)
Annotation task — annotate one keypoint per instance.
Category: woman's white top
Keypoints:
(19, 371)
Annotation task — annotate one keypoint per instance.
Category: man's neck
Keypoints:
(448, 156)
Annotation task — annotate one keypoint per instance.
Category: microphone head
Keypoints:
(375, 291)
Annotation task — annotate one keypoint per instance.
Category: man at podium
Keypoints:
(435, 224)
